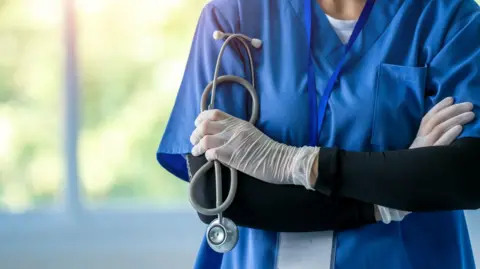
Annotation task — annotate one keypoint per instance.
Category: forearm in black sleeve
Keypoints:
(422, 179)
(281, 208)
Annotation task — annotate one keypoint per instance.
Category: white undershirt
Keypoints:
(343, 28)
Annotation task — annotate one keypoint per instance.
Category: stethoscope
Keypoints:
(222, 233)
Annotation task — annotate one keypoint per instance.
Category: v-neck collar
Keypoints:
(324, 37)
(326, 45)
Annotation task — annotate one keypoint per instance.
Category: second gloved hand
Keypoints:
(240, 145)
(439, 127)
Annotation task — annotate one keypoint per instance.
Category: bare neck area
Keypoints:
(343, 9)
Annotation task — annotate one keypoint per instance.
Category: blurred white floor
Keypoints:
(142, 249)
(110, 241)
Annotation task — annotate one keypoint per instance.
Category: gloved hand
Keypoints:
(240, 145)
(443, 123)
(439, 127)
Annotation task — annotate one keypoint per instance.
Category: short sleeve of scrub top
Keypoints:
(198, 73)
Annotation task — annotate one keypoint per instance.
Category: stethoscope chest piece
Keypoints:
(222, 235)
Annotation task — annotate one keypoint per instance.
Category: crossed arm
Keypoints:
(406, 181)
(350, 183)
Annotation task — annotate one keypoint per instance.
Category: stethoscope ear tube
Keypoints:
(230, 78)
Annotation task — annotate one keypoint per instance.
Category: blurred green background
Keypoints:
(131, 59)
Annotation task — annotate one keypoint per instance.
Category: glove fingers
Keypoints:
(212, 115)
(206, 143)
(455, 110)
(442, 116)
(448, 137)
(438, 107)
(220, 151)
(206, 127)
(452, 111)
(461, 120)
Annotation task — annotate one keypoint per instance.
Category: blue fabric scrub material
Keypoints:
(317, 111)
(410, 55)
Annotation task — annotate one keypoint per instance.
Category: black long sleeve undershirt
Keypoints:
(349, 183)
(281, 208)
(423, 179)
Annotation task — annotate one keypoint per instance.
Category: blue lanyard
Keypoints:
(316, 120)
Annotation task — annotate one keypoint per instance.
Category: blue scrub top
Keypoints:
(410, 55)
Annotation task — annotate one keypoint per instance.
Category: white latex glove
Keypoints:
(443, 123)
(439, 127)
(240, 145)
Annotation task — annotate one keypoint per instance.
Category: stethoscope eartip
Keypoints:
(256, 43)
(218, 35)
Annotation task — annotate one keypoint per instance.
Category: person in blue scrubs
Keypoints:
(327, 157)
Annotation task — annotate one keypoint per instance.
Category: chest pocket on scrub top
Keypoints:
(398, 107)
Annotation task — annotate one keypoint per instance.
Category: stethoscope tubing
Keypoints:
(210, 90)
